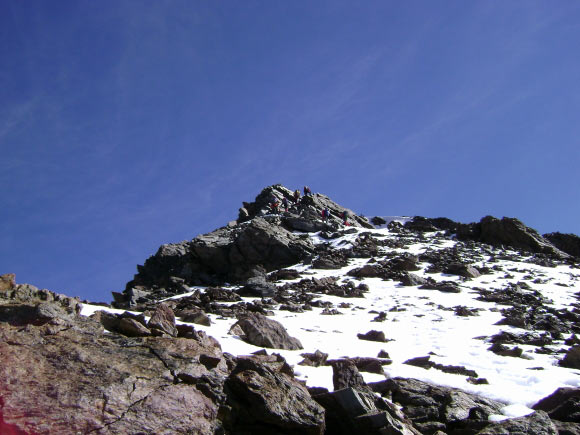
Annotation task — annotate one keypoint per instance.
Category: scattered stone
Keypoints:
(373, 336)
(315, 359)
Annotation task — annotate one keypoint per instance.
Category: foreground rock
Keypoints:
(79, 379)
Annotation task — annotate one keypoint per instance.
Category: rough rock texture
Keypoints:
(352, 411)
(86, 380)
(258, 330)
(568, 243)
(536, 423)
(572, 358)
(260, 238)
(264, 401)
(509, 232)
(563, 405)
(63, 373)
(433, 408)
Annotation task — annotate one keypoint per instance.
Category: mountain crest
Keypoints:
(264, 238)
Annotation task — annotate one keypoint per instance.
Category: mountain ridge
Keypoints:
(416, 325)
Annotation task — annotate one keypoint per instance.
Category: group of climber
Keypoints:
(344, 216)
(285, 203)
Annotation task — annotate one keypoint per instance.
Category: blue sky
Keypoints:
(128, 124)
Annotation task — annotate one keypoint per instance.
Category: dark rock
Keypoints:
(572, 358)
(228, 254)
(442, 286)
(422, 224)
(563, 404)
(258, 286)
(461, 269)
(373, 336)
(465, 311)
(351, 411)
(404, 263)
(366, 271)
(383, 354)
(264, 401)
(433, 408)
(346, 375)
(500, 349)
(426, 363)
(410, 279)
(315, 359)
(568, 243)
(509, 232)
(378, 221)
(80, 379)
(285, 274)
(536, 423)
(261, 331)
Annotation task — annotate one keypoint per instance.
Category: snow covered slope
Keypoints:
(525, 304)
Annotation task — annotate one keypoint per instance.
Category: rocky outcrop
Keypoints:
(225, 255)
(63, 373)
(568, 243)
(266, 401)
(259, 239)
(79, 379)
(304, 215)
(432, 408)
(509, 232)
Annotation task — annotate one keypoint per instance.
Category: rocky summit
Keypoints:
(289, 320)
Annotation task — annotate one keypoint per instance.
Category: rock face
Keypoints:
(63, 373)
(568, 243)
(509, 232)
(230, 254)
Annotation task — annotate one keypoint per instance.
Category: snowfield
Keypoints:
(421, 323)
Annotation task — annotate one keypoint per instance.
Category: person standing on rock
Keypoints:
(296, 196)
(325, 215)
(285, 204)
(307, 191)
(345, 218)
(274, 204)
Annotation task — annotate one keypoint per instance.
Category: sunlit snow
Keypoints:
(418, 323)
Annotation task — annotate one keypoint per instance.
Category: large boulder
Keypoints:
(257, 329)
(266, 401)
(433, 407)
(352, 411)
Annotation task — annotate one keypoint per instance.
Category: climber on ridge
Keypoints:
(325, 215)
(307, 191)
(345, 216)
(296, 196)
(274, 204)
(285, 204)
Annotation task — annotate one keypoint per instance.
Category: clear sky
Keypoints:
(128, 124)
